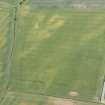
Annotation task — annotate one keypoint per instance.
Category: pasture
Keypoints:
(59, 53)
(51, 56)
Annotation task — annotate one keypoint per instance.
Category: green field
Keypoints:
(59, 52)
(24, 99)
(5, 45)
(51, 56)
(12, 2)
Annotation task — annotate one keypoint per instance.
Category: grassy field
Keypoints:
(27, 99)
(59, 53)
(4, 44)
(13, 2)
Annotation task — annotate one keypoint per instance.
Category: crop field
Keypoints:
(24, 99)
(59, 53)
(4, 44)
(51, 56)
(12, 2)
